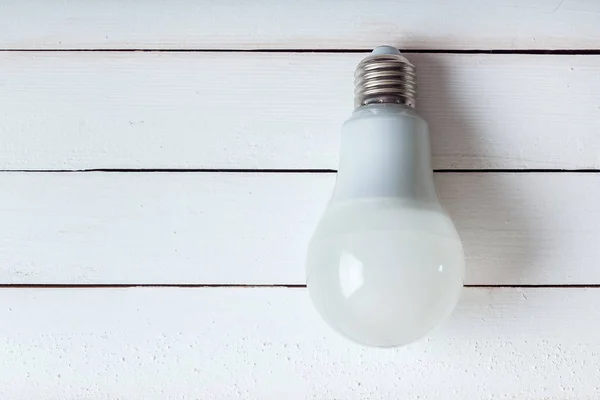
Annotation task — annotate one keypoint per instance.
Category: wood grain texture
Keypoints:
(526, 344)
(69, 110)
(247, 110)
(437, 24)
(228, 228)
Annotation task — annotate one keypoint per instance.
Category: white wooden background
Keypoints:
(155, 205)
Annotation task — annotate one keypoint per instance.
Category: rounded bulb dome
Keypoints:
(385, 272)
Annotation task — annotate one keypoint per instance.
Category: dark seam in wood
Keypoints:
(286, 171)
(328, 51)
(283, 285)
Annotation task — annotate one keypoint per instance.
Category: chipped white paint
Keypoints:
(312, 24)
(269, 343)
(222, 110)
(534, 228)
(85, 110)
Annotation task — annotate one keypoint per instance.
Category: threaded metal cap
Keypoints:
(385, 76)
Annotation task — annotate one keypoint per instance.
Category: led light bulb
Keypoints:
(385, 265)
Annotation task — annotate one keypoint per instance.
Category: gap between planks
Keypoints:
(570, 52)
(285, 171)
(250, 286)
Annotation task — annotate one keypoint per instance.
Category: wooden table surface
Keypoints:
(163, 165)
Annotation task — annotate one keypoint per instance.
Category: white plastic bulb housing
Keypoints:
(385, 265)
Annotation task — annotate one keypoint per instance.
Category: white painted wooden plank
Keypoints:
(220, 110)
(254, 228)
(226, 343)
(462, 24)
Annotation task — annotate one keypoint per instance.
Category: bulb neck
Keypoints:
(385, 152)
(385, 77)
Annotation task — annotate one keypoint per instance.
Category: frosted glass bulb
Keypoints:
(385, 265)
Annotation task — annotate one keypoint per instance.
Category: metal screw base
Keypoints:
(385, 77)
